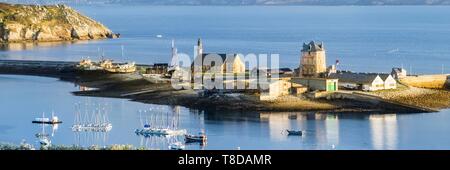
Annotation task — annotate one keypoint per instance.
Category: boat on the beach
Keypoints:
(295, 132)
(45, 120)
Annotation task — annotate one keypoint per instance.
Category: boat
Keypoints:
(159, 36)
(294, 132)
(201, 137)
(43, 138)
(44, 120)
(161, 130)
(177, 146)
(98, 123)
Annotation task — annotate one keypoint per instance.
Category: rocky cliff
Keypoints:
(22, 23)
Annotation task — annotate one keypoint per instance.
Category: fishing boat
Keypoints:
(177, 146)
(201, 137)
(45, 120)
(294, 132)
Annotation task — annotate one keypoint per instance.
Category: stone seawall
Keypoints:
(379, 102)
(437, 81)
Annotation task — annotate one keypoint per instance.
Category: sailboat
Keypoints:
(44, 139)
(97, 123)
(199, 138)
(151, 129)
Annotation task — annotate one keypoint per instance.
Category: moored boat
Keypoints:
(294, 132)
(45, 120)
(201, 137)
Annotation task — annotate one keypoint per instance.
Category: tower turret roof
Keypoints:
(313, 46)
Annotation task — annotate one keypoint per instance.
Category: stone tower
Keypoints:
(313, 60)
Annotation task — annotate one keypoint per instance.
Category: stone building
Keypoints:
(276, 88)
(398, 73)
(231, 63)
(313, 60)
(359, 81)
(317, 84)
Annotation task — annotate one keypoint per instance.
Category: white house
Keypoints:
(389, 81)
(361, 81)
(398, 73)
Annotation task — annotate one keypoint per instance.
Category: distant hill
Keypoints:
(20, 23)
(241, 2)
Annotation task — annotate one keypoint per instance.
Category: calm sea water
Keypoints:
(365, 39)
(25, 98)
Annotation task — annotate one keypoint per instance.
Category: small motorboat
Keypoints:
(294, 132)
(201, 137)
(177, 146)
(45, 120)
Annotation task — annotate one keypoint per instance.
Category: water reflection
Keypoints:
(323, 130)
(32, 45)
(384, 131)
(225, 129)
(91, 123)
(43, 138)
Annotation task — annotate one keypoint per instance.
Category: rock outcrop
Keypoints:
(36, 23)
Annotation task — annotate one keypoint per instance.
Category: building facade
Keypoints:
(389, 81)
(317, 84)
(362, 81)
(230, 63)
(398, 73)
(313, 60)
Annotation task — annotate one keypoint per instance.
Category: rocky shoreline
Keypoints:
(140, 90)
(48, 23)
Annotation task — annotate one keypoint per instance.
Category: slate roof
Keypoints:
(384, 76)
(313, 46)
(358, 78)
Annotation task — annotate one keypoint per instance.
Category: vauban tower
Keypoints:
(313, 60)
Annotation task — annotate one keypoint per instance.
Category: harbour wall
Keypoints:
(379, 102)
(437, 81)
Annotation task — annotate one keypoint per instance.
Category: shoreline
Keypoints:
(135, 87)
